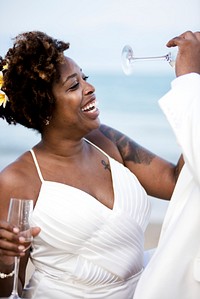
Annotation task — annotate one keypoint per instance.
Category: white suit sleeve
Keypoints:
(181, 105)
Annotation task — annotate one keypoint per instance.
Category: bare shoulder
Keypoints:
(104, 137)
(16, 171)
(119, 145)
(19, 179)
(154, 173)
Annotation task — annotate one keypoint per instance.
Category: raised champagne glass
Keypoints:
(129, 59)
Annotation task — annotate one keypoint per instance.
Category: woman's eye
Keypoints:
(74, 86)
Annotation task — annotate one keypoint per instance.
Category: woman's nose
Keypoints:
(88, 88)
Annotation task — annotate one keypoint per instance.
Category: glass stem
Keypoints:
(15, 282)
(150, 58)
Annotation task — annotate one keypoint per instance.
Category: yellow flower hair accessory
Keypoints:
(3, 96)
(5, 67)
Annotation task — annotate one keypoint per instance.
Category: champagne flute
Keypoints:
(128, 59)
(19, 215)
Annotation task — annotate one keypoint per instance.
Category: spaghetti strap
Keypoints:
(98, 148)
(37, 165)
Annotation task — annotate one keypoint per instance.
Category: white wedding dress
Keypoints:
(84, 249)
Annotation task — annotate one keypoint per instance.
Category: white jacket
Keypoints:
(174, 270)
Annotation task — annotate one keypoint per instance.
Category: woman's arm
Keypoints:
(12, 183)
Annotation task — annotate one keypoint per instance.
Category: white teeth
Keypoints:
(90, 107)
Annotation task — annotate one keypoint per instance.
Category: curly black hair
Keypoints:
(27, 81)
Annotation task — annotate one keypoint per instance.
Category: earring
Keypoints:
(47, 121)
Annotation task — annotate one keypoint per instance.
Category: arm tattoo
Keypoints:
(129, 149)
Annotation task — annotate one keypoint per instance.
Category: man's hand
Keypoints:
(188, 57)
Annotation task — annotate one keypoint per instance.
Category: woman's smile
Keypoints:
(91, 109)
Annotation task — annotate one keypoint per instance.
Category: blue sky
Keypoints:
(98, 29)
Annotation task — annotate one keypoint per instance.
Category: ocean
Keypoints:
(127, 103)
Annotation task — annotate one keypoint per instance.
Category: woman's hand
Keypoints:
(188, 57)
(11, 244)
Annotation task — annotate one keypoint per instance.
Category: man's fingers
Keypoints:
(183, 38)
